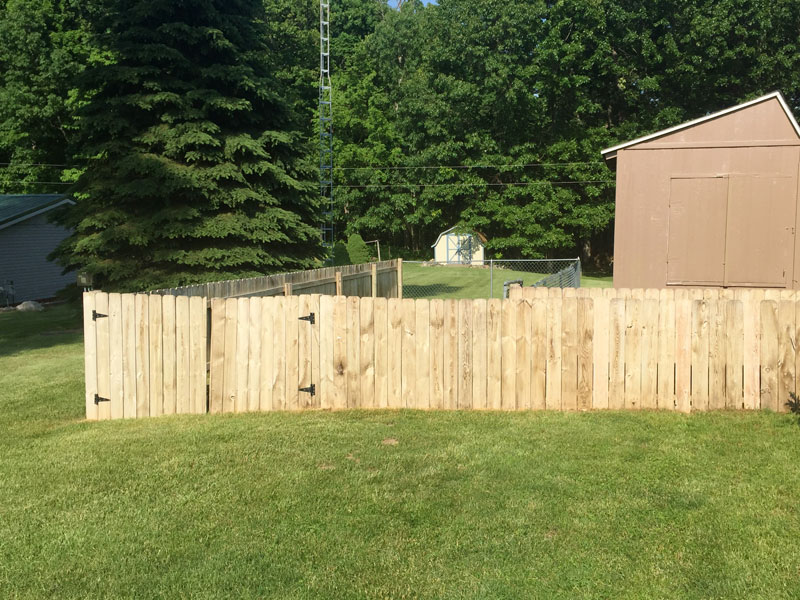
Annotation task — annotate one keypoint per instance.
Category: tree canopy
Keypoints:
(196, 163)
(191, 126)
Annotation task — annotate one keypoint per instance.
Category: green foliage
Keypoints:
(340, 254)
(357, 250)
(197, 167)
(44, 46)
(490, 86)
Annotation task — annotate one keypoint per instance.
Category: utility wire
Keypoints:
(510, 184)
(5, 164)
(480, 166)
(20, 182)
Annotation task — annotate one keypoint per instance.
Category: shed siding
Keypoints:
(761, 122)
(643, 190)
(23, 258)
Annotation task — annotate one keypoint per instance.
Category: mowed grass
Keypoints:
(445, 281)
(393, 504)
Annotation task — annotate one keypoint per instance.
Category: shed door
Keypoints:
(760, 236)
(696, 244)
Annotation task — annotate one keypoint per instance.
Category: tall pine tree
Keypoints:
(197, 167)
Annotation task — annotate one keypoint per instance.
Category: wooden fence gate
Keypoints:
(145, 355)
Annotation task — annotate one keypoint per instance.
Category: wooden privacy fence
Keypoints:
(548, 349)
(145, 355)
(369, 279)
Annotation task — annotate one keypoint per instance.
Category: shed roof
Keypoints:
(610, 153)
(481, 237)
(15, 208)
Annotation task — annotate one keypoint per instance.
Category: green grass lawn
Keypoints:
(424, 281)
(393, 504)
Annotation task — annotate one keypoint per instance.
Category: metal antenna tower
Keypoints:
(326, 122)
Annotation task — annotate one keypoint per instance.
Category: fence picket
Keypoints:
(340, 352)
(786, 349)
(198, 339)
(585, 352)
(326, 343)
(683, 353)
(436, 354)
(508, 400)
(666, 350)
(279, 381)
(700, 355)
(734, 353)
(409, 355)
(381, 325)
(633, 350)
(554, 336)
(395, 346)
(169, 354)
(423, 366)
(291, 311)
(600, 345)
(769, 354)
(183, 350)
(128, 356)
(156, 356)
(538, 353)
(254, 355)
(367, 353)
(494, 366)
(569, 353)
(617, 326)
(90, 355)
(479, 373)
(141, 306)
(116, 353)
(450, 361)
(465, 354)
(353, 310)
(717, 354)
(523, 328)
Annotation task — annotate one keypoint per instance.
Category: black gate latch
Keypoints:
(96, 315)
(312, 389)
(98, 399)
(309, 318)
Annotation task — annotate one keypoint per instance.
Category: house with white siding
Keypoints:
(26, 238)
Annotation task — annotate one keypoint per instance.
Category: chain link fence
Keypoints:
(486, 279)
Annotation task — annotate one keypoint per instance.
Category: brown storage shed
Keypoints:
(712, 202)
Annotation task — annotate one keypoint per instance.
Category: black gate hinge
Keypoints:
(98, 399)
(309, 318)
(96, 315)
(312, 389)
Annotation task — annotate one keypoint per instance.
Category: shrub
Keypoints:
(357, 249)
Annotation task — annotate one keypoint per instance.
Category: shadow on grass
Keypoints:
(62, 324)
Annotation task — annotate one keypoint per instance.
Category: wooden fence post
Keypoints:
(374, 271)
(287, 289)
(400, 278)
(338, 278)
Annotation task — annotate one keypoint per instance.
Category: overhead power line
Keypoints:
(20, 182)
(480, 166)
(6, 164)
(482, 184)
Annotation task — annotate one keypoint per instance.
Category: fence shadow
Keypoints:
(38, 330)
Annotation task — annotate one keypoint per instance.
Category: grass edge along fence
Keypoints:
(544, 348)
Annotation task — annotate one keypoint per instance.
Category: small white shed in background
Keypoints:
(459, 247)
